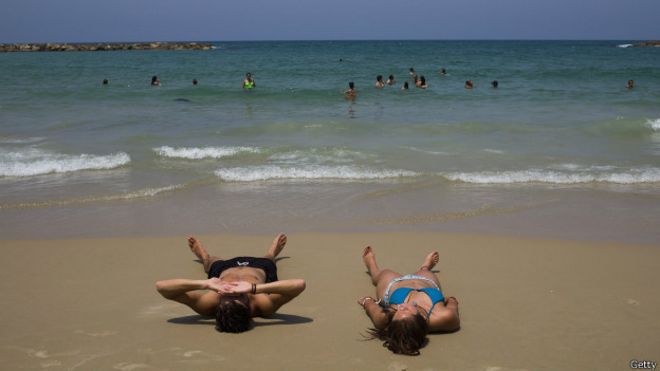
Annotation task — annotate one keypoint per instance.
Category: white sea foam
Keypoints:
(260, 173)
(631, 176)
(437, 153)
(317, 156)
(142, 193)
(193, 153)
(33, 161)
(654, 124)
(496, 151)
(624, 45)
(21, 140)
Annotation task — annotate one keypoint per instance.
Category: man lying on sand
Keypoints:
(236, 289)
(409, 307)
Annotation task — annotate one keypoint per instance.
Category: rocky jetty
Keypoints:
(649, 43)
(93, 47)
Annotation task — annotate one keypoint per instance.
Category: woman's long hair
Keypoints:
(403, 336)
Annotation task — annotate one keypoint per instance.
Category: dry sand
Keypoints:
(525, 305)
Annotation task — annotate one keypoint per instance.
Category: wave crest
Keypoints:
(632, 176)
(194, 153)
(35, 162)
(653, 124)
(261, 173)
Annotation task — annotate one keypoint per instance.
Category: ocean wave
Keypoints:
(653, 124)
(624, 45)
(261, 173)
(142, 193)
(21, 140)
(318, 156)
(32, 162)
(194, 153)
(437, 153)
(631, 176)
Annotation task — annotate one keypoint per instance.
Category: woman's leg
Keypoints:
(379, 278)
(429, 262)
(199, 251)
(276, 247)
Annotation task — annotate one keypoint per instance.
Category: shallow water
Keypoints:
(561, 123)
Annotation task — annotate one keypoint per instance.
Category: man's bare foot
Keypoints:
(197, 249)
(278, 245)
(368, 257)
(430, 261)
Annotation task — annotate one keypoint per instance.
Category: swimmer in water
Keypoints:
(442, 72)
(469, 84)
(379, 82)
(155, 81)
(105, 82)
(390, 80)
(630, 85)
(494, 84)
(405, 86)
(194, 81)
(249, 83)
(421, 83)
(413, 74)
(350, 93)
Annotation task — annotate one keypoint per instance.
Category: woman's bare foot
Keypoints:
(368, 256)
(430, 261)
(278, 245)
(197, 249)
(369, 259)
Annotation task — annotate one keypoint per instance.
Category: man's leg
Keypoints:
(276, 247)
(199, 251)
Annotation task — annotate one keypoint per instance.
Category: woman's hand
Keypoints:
(364, 300)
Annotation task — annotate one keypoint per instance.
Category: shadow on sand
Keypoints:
(275, 319)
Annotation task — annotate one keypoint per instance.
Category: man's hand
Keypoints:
(235, 288)
(214, 284)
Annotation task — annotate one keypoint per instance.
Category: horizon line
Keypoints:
(318, 40)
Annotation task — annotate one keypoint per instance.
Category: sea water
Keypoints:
(127, 158)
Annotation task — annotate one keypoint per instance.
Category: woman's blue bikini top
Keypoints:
(399, 295)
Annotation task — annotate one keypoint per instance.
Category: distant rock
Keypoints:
(91, 47)
(648, 43)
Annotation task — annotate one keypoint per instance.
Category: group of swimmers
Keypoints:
(248, 82)
(351, 93)
(404, 310)
(419, 81)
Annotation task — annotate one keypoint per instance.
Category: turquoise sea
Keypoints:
(561, 148)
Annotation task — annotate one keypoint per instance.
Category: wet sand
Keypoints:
(525, 304)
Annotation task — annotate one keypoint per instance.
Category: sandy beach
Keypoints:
(525, 304)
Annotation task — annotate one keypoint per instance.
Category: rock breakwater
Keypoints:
(93, 47)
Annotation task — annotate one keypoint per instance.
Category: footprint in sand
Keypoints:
(130, 366)
(165, 309)
(191, 353)
(397, 366)
(96, 334)
(633, 302)
(51, 363)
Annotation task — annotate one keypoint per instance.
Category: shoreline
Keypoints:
(529, 302)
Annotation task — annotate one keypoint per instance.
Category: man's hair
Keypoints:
(233, 316)
(403, 336)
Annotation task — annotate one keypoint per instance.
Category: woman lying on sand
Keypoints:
(236, 289)
(409, 307)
